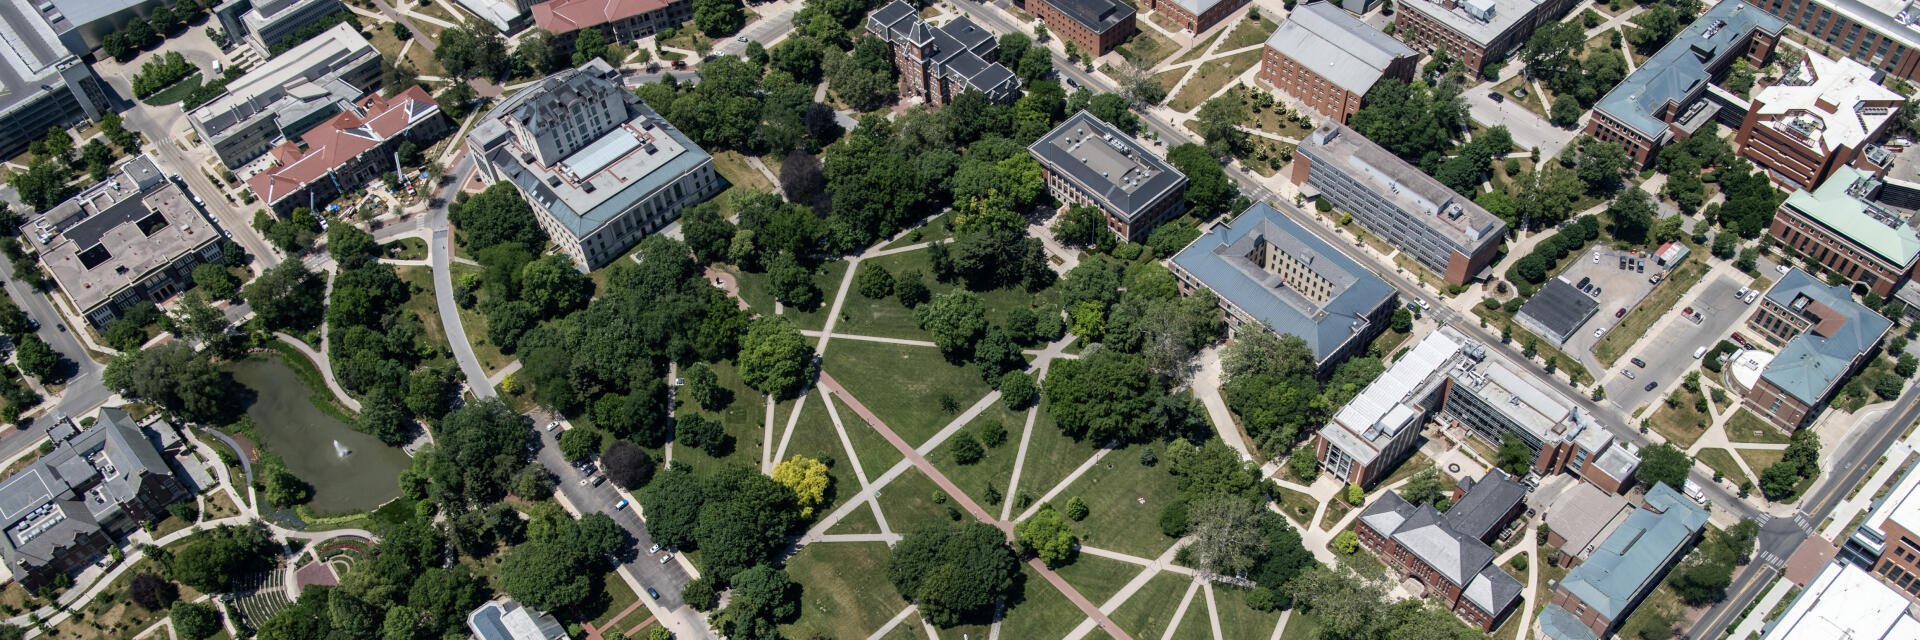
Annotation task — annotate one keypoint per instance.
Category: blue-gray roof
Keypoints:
(1106, 163)
(1630, 560)
(1811, 364)
(1218, 260)
(1679, 71)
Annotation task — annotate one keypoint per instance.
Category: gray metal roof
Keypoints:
(1810, 365)
(958, 50)
(1437, 540)
(1678, 72)
(1492, 590)
(30, 56)
(1454, 217)
(63, 496)
(1096, 15)
(507, 619)
(1484, 509)
(1337, 46)
(1108, 164)
(1560, 307)
(1212, 259)
(1635, 555)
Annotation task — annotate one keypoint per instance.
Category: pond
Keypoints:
(289, 425)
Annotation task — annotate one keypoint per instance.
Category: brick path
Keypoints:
(954, 492)
(593, 633)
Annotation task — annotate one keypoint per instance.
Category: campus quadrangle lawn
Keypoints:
(844, 590)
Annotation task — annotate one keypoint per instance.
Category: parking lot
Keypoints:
(1619, 289)
(1668, 347)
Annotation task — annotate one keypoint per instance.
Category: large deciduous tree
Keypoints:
(774, 358)
(953, 572)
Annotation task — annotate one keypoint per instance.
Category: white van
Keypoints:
(1699, 352)
(1693, 491)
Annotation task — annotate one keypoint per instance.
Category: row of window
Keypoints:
(1900, 577)
(1872, 50)
(1825, 250)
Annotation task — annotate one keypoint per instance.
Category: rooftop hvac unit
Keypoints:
(587, 187)
(1480, 9)
(553, 181)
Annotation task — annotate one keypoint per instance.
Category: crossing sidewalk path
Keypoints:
(920, 461)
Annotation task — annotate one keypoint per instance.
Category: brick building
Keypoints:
(1827, 337)
(1887, 543)
(1878, 33)
(1442, 230)
(1822, 115)
(1597, 596)
(1195, 16)
(1095, 26)
(1847, 230)
(1447, 553)
(1474, 32)
(349, 150)
(1660, 102)
(1329, 59)
(938, 63)
(618, 20)
(1089, 162)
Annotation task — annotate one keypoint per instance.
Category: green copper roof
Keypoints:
(1852, 217)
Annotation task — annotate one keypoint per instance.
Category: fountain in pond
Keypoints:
(340, 449)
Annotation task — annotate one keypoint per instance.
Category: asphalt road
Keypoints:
(1528, 128)
(766, 31)
(84, 391)
(668, 578)
(442, 253)
(1670, 347)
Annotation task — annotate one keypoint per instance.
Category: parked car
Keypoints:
(665, 558)
(621, 506)
(1596, 257)
(1627, 372)
(1621, 313)
(1699, 351)
(1640, 266)
(653, 549)
(653, 593)
(1638, 363)
(1687, 311)
(1783, 269)
(1651, 385)
(1599, 332)
(553, 425)
(1752, 296)
(1741, 294)
(1583, 284)
(1742, 340)
(1496, 97)
(592, 481)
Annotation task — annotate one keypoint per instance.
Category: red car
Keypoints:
(1687, 312)
(1742, 340)
(1621, 313)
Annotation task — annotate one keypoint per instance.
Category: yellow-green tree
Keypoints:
(807, 478)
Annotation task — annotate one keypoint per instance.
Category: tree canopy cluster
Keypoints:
(1800, 461)
(1412, 120)
(405, 588)
(143, 35)
(954, 573)
(1269, 382)
(378, 346)
(736, 517)
(1352, 607)
(1557, 55)
(1702, 576)
(1533, 269)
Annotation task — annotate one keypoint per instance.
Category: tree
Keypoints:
(965, 449)
(1017, 389)
(1565, 111)
(1218, 122)
(171, 375)
(791, 283)
(1423, 488)
(718, 18)
(1227, 535)
(628, 466)
(1514, 456)
(807, 478)
(496, 216)
(194, 620)
(215, 281)
(1633, 213)
(1209, 191)
(774, 358)
(744, 520)
(1105, 396)
(953, 573)
(383, 419)
(472, 50)
(799, 57)
(152, 592)
(1014, 45)
(1347, 542)
(287, 296)
(956, 320)
(552, 285)
(220, 556)
(1402, 320)
(762, 598)
(1410, 120)
(704, 434)
(44, 184)
(581, 442)
(874, 281)
(1655, 26)
(1047, 536)
(1662, 463)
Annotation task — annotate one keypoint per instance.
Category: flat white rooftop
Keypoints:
(1846, 603)
(1798, 105)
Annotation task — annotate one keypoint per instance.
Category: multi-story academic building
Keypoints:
(1448, 553)
(1329, 59)
(1843, 227)
(1824, 337)
(1822, 115)
(1095, 26)
(284, 97)
(938, 63)
(1195, 16)
(1474, 32)
(1089, 162)
(1661, 101)
(1878, 33)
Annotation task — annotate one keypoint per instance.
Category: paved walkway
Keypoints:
(918, 460)
(326, 370)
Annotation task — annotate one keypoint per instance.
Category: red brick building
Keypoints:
(1824, 338)
(1329, 59)
(1822, 115)
(1196, 16)
(1448, 553)
(938, 63)
(1888, 542)
(1095, 26)
(1663, 101)
(1843, 227)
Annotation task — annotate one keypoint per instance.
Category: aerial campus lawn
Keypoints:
(1213, 75)
(992, 469)
(912, 501)
(743, 418)
(1148, 612)
(887, 318)
(1680, 423)
(1037, 610)
(876, 454)
(1239, 621)
(860, 520)
(1124, 500)
(1095, 577)
(1722, 461)
(757, 290)
(1744, 426)
(814, 437)
(1051, 456)
(845, 594)
(904, 386)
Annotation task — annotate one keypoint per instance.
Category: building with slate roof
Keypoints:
(1448, 553)
(1662, 101)
(1095, 26)
(134, 237)
(938, 63)
(1329, 59)
(1557, 310)
(1827, 337)
(1270, 272)
(349, 150)
(65, 509)
(1457, 382)
(618, 20)
(1821, 116)
(600, 168)
(1195, 16)
(506, 619)
(1597, 595)
(1444, 231)
(286, 96)
(1848, 229)
(1475, 32)
(1089, 162)
(45, 84)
